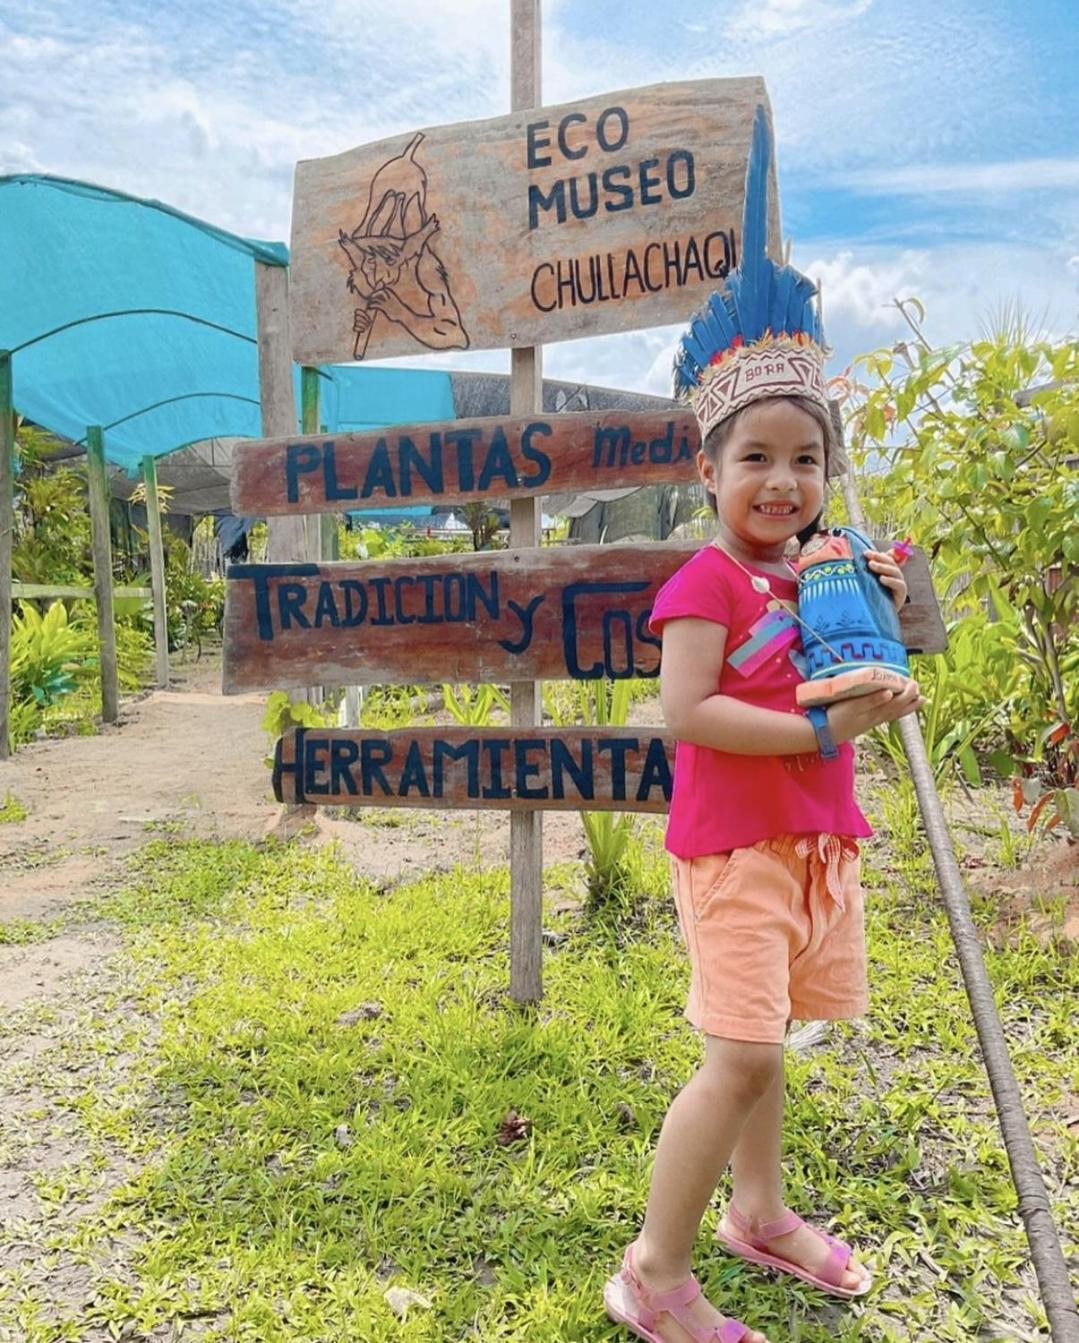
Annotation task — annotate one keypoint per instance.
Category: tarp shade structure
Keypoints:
(179, 364)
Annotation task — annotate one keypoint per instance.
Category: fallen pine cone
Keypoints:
(514, 1128)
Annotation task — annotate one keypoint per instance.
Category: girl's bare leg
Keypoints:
(698, 1136)
(758, 1185)
(756, 1162)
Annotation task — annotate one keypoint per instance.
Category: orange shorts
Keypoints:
(774, 931)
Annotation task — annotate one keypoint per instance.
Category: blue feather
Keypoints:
(758, 296)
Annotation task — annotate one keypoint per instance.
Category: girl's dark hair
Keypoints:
(719, 433)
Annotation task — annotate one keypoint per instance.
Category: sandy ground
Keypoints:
(189, 762)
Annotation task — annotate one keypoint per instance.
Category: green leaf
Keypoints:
(969, 763)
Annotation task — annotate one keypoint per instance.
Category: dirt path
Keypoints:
(188, 762)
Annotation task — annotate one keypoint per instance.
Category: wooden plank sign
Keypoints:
(463, 460)
(540, 614)
(608, 214)
(549, 769)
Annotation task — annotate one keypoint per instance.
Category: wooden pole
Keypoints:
(157, 571)
(309, 424)
(101, 543)
(286, 536)
(1034, 1207)
(526, 398)
(7, 530)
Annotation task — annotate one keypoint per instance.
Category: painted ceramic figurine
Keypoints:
(850, 628)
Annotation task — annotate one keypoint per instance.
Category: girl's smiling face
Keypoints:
(768, 479)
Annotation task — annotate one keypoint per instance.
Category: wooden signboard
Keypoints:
(544, 614)
(549, 769)
(609, 214)
(463, 460)
(579, 612)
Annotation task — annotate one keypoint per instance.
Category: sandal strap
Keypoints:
(786, 1222)
(730, 1331)
(835, 1265)
(651, 1305)
(783, 1225)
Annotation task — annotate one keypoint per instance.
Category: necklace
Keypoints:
(760, 583)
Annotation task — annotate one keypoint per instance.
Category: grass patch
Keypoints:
(11, 809)
(317, 1118)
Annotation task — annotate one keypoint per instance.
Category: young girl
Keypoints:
(763, 824)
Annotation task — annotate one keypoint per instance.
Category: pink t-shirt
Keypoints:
(722, 801)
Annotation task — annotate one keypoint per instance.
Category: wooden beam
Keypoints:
(526, 398)
(38, 591)
(562, 769)
(157, 572)
(614, 212)
(7, 530)
(463, 461)
(101, 543)
(518, 615)
(286, 537)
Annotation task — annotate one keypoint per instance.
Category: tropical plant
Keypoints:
(474, 705)
(974, 450)
(379, 543)
(52, 522)
(609, 870)
(194, 606)
(48, 653)
(972, 691)
(283, 713)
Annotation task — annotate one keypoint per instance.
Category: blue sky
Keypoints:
(925, 147)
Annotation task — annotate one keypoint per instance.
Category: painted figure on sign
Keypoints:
(764, 827)
(395, 269)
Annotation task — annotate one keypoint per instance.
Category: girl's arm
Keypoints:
(694, 712)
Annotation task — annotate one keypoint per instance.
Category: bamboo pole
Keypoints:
(101, 543)
(526, 398)
(7, 529)
(286, 536)
(309, 424)
(157, 572)
(1034, 1207)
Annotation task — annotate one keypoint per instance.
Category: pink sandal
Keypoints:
(753, 1246)
(631, 1303)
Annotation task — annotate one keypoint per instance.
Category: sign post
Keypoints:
(526, 392)
(613, 213)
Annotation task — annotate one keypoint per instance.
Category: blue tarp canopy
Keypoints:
(129, 314)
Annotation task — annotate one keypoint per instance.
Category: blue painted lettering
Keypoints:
(299, 459)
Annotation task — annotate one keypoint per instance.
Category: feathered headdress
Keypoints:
(761, 334)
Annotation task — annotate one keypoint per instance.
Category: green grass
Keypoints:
(11, 809)
(298, 1156)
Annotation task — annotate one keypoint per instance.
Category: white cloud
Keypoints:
(967, 178)
(771, 17)
(859, 292)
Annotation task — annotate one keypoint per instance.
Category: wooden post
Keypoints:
(287, 536)
(526, 398)
(97, 478)
(309, 424)
(7, 528)
(157, 572)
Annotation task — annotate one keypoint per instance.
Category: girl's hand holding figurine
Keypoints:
(885, 564)
(849, 718)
